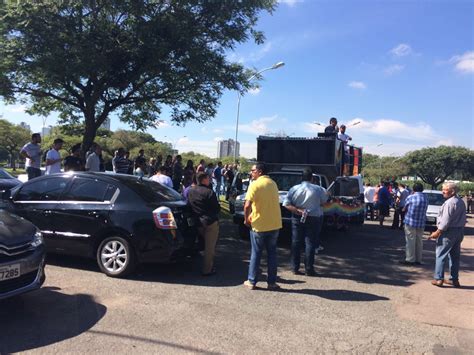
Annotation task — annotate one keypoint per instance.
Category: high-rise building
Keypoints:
(106, 124)
(227, 147)
(46, 131)
(25, 126)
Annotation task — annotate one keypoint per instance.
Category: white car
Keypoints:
(435, 200)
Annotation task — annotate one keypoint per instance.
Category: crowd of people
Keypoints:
(202, 186)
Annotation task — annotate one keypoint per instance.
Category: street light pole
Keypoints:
(274, 66)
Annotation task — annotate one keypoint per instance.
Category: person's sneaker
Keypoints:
(249, 285)
(297, 272)
(409, 263)
(320, 248)
(418, 263)
(454, 283)
(438, 283)
(310, 273)
(273, 287)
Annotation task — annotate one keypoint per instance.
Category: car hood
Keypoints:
(15, 230)
(433, 210)
(8, 183)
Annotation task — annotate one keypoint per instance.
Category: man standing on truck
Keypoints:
(305, 201)
(345, 138)
(332, 128)
(262, 213)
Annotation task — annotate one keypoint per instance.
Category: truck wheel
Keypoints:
(116, 257)
(244, 232)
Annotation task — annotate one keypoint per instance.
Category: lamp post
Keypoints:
(274, 66)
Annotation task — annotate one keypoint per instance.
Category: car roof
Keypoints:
(432, 192)
(110, 177)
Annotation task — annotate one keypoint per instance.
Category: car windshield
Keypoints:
(286, 181)
(434, 199)
(152, 191)
(5, 175)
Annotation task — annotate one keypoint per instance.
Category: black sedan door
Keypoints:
(83, 214)
(37, 199)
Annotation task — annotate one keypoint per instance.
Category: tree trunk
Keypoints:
(12, 162)
(90, 131)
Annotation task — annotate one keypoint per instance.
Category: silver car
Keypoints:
(435, 200)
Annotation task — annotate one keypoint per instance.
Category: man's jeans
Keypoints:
(308, 233)
(414, 244)
(260, 241)
(33, 172)
(448, 246)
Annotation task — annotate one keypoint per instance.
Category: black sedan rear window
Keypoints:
(152, 191)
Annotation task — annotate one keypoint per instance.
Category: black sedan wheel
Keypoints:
(115, 257)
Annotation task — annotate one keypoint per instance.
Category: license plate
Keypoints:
(10, 272)
(431, 219)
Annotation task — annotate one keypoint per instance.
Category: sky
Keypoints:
(403, 69)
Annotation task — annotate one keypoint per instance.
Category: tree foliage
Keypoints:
(435, 165)
(12, 138)
(87, 59)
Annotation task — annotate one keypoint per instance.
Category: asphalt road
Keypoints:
(356, 304)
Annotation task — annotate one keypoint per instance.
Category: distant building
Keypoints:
(25, 126)
(46, 131)
(106, 124)
(227, 148)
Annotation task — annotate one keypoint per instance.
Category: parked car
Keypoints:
(435, 200)
(7, 181)
(120, 220)
(22, 255)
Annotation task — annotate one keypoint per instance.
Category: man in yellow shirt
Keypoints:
(262, 213)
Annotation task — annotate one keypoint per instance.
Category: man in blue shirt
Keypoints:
(383, 202)
(305, 198)
(415, 216)
(217, 175)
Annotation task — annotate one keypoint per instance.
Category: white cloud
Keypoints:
(357, 85)
(251, 57)
(217, 130)
(258, 126)
(217, 139)
(393, 69)
(401, 50)
(290, 3)
(254, 91)
(464, 63)
(393, 128)
(204, 130)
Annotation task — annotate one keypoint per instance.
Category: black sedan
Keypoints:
(21, 256)
(7, 181)
(120, 220)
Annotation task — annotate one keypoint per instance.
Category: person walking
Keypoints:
(31, 151)
(206, 208)
(262, 213)
(304, 201)
(162, 178)
(415, 207)
(383, 202)
(74, 162)
(229, 179)
(93, 159)
(53, 158)
(449, 235)
(177, 173)
(217, 175)
(369, 194)
(400, 199)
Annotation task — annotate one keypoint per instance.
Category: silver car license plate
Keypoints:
(10, 272)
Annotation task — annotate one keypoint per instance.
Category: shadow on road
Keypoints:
(339, 295)
(45, 317)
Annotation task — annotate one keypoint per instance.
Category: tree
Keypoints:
(435, 165)
(87, 59)
(12, 138)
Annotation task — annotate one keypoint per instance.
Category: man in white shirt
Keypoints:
(162, 178)
(93, 160)
(369, 195)
(345, 138)
(53, 158)
(31, 151)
